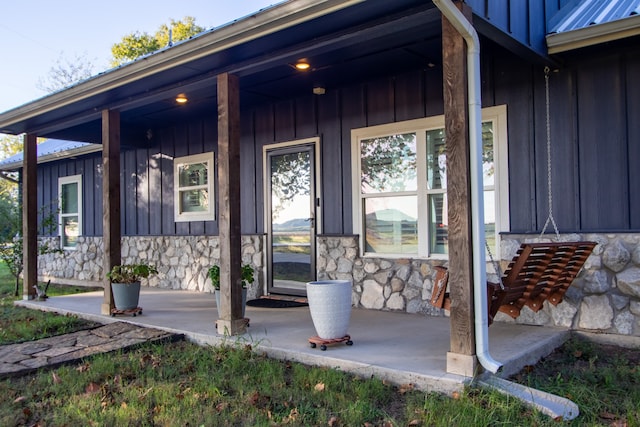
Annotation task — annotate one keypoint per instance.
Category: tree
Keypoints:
(65, 73)
(9, 145)
(11, 246)
(137, 44)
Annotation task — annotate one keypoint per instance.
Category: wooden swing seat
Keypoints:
(538, 272)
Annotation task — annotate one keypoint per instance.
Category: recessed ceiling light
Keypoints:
(181, 98)
(302, 65)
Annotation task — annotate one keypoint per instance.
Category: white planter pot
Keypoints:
(330, 307)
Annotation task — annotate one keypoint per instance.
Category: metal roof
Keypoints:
(581, 14)
(51, 149)
(583, 23)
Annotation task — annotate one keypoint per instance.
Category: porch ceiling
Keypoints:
(346, 46)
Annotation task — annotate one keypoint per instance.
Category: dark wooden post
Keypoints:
(30, 217)
(110, 200)
(461, 358)
(231, 321)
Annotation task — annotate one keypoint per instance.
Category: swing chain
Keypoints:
(549, 193)
(496, 265)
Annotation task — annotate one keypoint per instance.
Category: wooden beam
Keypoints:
(110, 200)
(231, 321)
(30, 217)
(461, 358)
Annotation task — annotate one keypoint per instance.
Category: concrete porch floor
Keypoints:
(398, 347)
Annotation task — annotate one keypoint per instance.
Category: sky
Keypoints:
(34, 34)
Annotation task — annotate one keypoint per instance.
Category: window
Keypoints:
(70, 207)
(193, 188)
(400, 185)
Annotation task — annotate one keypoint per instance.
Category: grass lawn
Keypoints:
(183, 384)
(21, 324)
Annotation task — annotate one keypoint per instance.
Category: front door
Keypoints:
(291, 218)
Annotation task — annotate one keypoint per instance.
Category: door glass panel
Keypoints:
(292, 222)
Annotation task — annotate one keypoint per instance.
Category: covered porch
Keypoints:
(397, 347)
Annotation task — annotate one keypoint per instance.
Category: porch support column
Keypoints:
(110, 200)
(461, 359)
(29, 217)
(231, 321)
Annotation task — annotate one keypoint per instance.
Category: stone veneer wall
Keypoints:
(604, 298)
(378, 283)
(182, 261)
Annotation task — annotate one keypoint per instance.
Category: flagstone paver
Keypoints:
(22, 358)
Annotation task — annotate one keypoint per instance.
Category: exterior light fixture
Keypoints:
(181, 98)
(302, 65)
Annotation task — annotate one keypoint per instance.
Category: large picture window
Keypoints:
(70, 210)
(400, 185)
(193, 188)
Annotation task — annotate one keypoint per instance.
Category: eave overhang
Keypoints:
(594, 34)
(266, 22)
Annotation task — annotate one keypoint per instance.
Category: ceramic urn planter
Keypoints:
(330, 307)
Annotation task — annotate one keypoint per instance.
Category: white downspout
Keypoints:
(466, 30)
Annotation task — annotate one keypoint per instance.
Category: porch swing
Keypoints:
(538, 272)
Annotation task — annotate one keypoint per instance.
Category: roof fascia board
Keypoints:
(261, 24)
(595, 34)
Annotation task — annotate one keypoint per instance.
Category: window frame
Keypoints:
(208, 215)
(497, 115)
(62, 181)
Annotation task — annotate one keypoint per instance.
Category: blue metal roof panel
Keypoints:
(48, 148)
(584, 13)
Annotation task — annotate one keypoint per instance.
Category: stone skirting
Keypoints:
(378, 283)
(182, 261)
(604, 298)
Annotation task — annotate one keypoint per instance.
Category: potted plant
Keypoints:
(246, 275)
(125, 283)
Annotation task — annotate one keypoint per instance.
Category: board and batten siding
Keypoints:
(595, 143)
(522, 20)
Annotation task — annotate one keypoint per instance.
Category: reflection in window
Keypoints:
(193, 187)
(388, 163)
(402, 179)
(70, 207)
(436, 190)
(391, 224)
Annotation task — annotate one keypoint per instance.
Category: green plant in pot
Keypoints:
(246, 275)
(125, 283)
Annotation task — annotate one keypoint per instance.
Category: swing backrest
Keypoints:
(539, 272)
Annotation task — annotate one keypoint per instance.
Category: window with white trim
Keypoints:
(70, 210)
(400, 185)
(193, 187)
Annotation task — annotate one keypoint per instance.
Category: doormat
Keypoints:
(275, 303)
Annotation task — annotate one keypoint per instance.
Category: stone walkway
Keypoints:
(23, 358)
